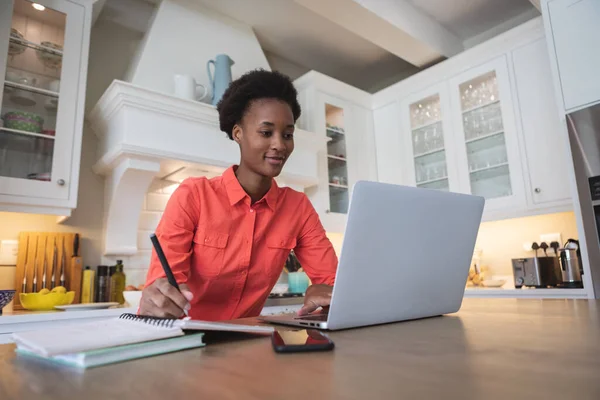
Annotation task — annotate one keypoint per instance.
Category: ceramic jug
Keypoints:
(222, 76)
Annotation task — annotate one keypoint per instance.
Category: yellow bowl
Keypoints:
(45, 302)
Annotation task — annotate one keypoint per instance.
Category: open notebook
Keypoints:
(126, 329)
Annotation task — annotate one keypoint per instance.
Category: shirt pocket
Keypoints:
(209, 252)
(279, 249)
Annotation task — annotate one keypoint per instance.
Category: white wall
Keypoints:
(111, 50)
(183, 37)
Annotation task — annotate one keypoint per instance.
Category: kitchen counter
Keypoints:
(491, 349)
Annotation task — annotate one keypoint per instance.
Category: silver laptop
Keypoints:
(405, 255)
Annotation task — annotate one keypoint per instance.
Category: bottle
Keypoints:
(87, 286)
(102, 285)
(117, 283)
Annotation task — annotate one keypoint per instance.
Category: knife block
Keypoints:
(33, 247)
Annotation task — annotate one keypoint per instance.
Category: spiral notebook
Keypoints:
(124, 330)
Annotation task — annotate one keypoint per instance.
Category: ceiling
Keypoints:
(297, 39)
(470, 18)
(360, 42)
(297, 36)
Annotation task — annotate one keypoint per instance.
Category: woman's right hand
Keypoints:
(160, 299)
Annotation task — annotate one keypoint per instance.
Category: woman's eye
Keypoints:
(288, 136)
(266, 133)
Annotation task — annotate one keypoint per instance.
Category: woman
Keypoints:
(227, 238)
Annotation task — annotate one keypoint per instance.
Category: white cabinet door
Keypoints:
(388, 138)
(575, 27)
(428, 142)
(487, 145)
(40, 68)
(544, 153)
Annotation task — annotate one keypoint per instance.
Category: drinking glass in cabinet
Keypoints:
(480, 91)
(30, 92)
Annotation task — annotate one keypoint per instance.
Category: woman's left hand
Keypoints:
(316, 296)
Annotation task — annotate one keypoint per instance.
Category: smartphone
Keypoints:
(300, 340)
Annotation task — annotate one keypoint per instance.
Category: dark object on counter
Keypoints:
(292, 264)
(539, 272)
(571, 265)
(535, 247)
(102, 284)
(544, 246)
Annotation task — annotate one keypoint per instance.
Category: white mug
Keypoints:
(185, 87)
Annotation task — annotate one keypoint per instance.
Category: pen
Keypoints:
(164, 263)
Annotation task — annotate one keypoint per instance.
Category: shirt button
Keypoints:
(251, 210)
(206, 240)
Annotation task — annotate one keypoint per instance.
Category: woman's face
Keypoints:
(266, 136)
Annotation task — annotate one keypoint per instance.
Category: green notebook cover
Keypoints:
(95, 358)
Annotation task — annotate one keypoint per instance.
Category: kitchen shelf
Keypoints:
(335, 136)
(25, 133)
(337, 187)
(477, 107)
(430, 152)
(36, 46)
(444, 178)
(31, 89)
(490, 168)
(427, 125)
(339, 132)
(334, 162)
(486, 136)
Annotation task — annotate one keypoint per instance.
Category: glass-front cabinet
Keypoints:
(337, 159)
(42, 45)
(488, 148)
(426, 115)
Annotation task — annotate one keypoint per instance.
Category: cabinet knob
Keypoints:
(537, 190)
(327, 211)
(61, 182)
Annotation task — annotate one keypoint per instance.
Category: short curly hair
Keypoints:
(254, 85)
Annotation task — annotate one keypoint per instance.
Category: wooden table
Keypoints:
(491, 349)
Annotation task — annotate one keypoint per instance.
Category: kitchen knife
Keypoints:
(24, 288)
(76, 245)
(45, 264)
(54, 264)
(76, 271)
(62, 264)
(35, 262)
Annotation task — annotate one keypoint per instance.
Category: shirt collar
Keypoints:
(236, 193)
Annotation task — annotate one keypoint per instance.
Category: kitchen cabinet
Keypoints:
(545, 159)
(574, 33)
(43, 66)
(487, 145)
(428, 144)
(336, 110)
(490, 128)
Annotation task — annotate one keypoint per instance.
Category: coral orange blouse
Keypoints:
(231, 252)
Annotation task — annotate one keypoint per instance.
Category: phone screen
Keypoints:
(301, 339)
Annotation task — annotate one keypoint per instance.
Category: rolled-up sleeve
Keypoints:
(314, 249)
(175, 232)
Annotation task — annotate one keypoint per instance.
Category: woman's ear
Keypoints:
(237, 133)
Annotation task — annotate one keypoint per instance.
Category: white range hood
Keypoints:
(144, 135)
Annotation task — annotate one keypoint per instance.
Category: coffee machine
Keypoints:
(571, 265)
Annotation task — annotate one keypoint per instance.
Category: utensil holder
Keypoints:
(43, 243)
